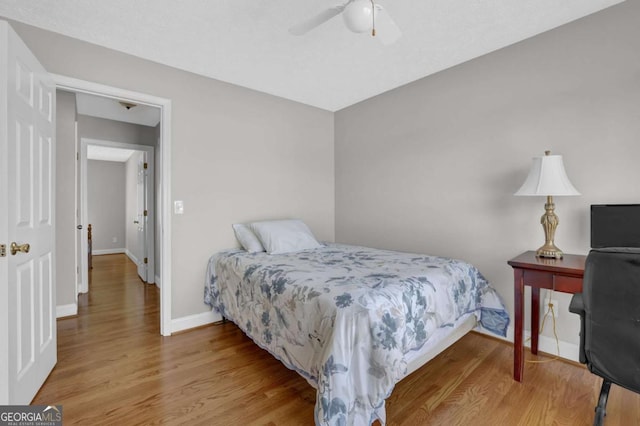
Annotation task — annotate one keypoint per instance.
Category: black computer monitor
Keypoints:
(615, 225)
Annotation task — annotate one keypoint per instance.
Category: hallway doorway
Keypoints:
(163, 191)
(118, 200)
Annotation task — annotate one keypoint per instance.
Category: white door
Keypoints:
(83, 220)
(82, 261)
(27, 274)
(142, 214)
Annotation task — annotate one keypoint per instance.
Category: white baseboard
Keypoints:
(107, 251)
(192, 321)
(131, 256)
(66, 310)
(546, 344)
(135, 260)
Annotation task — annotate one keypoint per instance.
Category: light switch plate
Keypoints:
(178, 207)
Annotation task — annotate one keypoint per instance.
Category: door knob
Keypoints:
(22, 248)
(136, 221)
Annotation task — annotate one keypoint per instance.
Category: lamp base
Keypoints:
(550, 251)
(549, 222)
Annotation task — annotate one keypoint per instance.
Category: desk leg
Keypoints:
(518, 345)
(535, 318)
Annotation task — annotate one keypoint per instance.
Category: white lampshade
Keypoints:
(547, 177)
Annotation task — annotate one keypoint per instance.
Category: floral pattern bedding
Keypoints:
(344, 316)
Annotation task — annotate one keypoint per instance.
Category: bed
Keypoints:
(352, 321)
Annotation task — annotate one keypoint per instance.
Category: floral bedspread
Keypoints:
(344, 317)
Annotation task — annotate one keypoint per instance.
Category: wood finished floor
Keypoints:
(115, 368)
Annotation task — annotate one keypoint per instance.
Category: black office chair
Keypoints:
(609, 309)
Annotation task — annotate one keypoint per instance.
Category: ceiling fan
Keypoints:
(359, 16)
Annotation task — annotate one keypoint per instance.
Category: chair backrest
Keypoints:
(615, 225)
(611, 294)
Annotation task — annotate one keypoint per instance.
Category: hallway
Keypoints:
(114, 367)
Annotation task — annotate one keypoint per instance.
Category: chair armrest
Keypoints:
(577, 307)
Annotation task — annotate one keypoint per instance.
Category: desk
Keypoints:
(564, 275)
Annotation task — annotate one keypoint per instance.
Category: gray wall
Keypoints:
(432, 167)
(237, 154)
(106, 203)
(65, 198)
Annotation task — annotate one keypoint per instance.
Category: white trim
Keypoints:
(158, 282)
(508, 338)
(196, 320)
(76, 191)
(76, 85)
(66, 310)
(83, 285)
(165, 253)
(149, 189)
(546, 344)
(108, 251)
(131, 256)
(149, 186)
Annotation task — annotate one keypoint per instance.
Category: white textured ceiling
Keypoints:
(246, 42)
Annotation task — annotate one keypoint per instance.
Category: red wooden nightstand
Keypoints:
(564, 275)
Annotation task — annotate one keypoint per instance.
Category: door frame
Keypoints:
(164, 150)
(84, 211)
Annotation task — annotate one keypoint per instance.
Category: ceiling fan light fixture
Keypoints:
(358, 16)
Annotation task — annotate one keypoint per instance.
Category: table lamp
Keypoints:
(547, 177)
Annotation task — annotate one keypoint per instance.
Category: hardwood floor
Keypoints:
(115, 368)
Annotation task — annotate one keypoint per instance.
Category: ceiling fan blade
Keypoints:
(319, 19)
(386, 29)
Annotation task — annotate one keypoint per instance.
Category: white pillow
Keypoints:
(247, 238)
(284, 236)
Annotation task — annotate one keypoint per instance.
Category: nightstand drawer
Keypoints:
(567, 284)
(539, 279)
